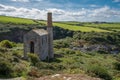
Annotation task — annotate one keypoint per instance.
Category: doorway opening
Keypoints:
(31, 47)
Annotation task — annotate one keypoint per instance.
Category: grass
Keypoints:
(6, 19)
(110, 25)
(104, 26)
(66, 61)
(70, 25)
(79, 28)
(83, 62)
(76, 28)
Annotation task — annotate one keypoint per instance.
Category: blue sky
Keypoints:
(63, 10)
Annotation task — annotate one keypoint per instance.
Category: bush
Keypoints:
(51, 66)
(33, 58)
(34, 72)
(42, 65)
(7, 44)
(117, 66)
(6, 69)
(17, 54)
(3, 50)
(99, 71)
(61, 44)
(69, 51)
(21, 69)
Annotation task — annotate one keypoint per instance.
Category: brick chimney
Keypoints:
(50, 35)
(49, 19)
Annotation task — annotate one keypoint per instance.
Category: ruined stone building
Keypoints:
(40, 41)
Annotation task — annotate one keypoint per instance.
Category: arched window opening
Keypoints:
(31, 47)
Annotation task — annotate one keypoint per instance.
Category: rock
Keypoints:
(56, 75)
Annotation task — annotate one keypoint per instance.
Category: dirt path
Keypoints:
(67, 77)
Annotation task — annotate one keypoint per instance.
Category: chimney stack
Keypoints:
(49, 19)
(50, 35)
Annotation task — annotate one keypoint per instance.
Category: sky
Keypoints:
(63, 10)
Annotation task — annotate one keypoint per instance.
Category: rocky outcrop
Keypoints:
(103, 48)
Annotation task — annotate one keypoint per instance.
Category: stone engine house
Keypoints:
(40, 41)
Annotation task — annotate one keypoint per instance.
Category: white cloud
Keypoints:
(26, 0)
(99, 14)
(20, 0)
(38, 0)
(116, 0)
(93, 5)
(104, 12)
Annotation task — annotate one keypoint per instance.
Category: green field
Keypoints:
(70, 25)
(76, 28)
(105, 26)
(6, 19)
(79, 28)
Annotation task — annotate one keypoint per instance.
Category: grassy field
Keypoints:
(76, 28)
(6, 19)
(70, 25)
(79, 28)
(105, 26)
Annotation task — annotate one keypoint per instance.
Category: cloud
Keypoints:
(93, 5)
(99, 14)
(27, 0)
(104, 12)
(116, 0)
(38, 0)
(20, 0)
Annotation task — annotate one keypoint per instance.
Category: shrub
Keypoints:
(117, 66)
(67, 51)
(34, 72)
(17, 54)
(6, 69)
(42, 65)
(118, 57)
(7, 44)
(102, 52)
(16, 59)
(33, 58)
(99, 71)
(21, 69)
(74, 71)
(3, 49)
(51, 66)
(61, 44)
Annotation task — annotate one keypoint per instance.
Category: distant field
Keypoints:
(105, 26)
(76, 28)
(79, 28)
(70, 25)
(5, 19)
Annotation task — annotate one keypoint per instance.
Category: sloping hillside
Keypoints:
(15, 20)
(75, 26)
